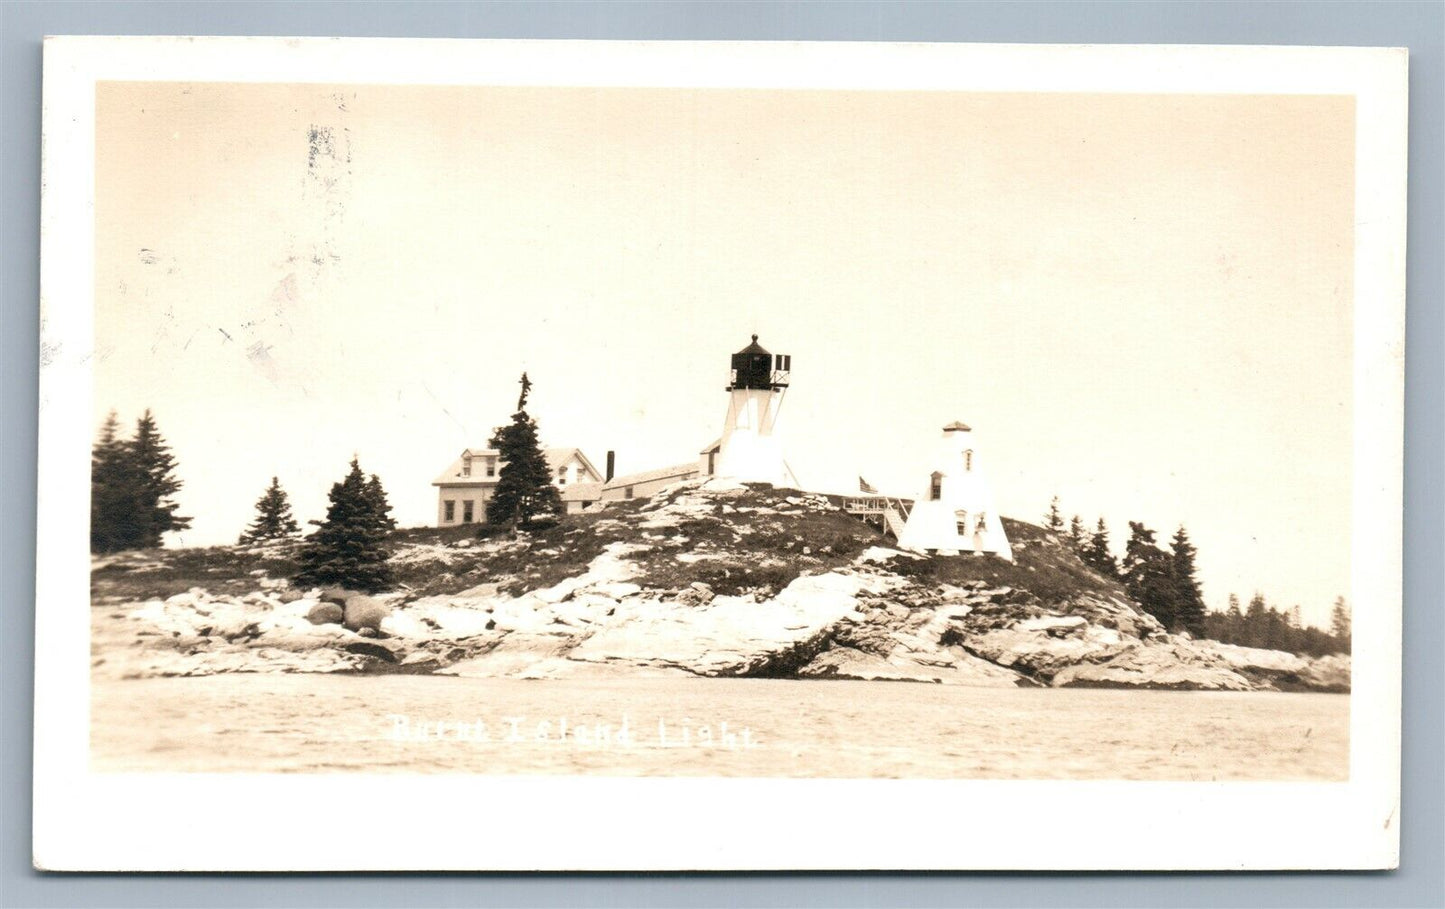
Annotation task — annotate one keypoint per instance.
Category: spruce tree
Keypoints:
(1054, 520)
(112, 492)
(1077, 534)
(1256, 622)
(1340, 623)
(273, 516)
(348, 549)
(380, 506)
(154, 467)
(1097, 555)
(1188, 601)
(131, 484)
(1149, 575)
(524, 484)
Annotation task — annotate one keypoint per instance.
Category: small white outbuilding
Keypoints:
(954, 512)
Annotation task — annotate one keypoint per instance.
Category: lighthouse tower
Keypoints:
(751, 450)
(955, 512)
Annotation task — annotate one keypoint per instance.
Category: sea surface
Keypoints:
(709, 727)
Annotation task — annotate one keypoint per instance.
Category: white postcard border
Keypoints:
(93, 821)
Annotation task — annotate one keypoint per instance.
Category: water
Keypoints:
(328, 723)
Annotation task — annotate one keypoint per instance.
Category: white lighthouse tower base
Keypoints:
(955, 511)
(751, 450)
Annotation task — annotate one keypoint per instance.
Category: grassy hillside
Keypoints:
(758, 540)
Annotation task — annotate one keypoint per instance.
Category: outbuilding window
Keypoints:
(627, 492)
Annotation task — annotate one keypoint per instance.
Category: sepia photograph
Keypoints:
(705, 429)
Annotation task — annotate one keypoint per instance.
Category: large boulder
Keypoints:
(364, 612)
(325, 614)
(1328, 673)
(372, 649)
(338, 595)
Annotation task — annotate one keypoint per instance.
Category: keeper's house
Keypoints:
(465, 487)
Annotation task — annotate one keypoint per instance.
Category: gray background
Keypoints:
(1419, 26)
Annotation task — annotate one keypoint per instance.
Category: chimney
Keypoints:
(611, 465)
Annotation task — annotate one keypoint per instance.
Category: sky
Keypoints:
(1141, 303)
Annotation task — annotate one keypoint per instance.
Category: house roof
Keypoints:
(715, 446)
(581, 492)
(956, 426)
(556, 457)
(681, 471)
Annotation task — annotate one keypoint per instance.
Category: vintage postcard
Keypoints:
(717, 456)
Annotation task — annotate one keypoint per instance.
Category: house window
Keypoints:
(467, 512)
(968, 459)
(449, 511)
(562, 476)
(491, 467)
(466, 467)
(935, 487)
(627, 492)
(960, 522)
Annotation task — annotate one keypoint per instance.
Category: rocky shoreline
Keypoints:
(861, 610)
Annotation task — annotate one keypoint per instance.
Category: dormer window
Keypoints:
(935, 487)
(491, 467)
(467, 466)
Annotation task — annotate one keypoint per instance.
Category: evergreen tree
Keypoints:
(1149, 575)
(1188, 601)
(524, 484)
(380, 506)
(1256, 622)
(1233, 610)
(273, 516)
(1340, 621)
(1097, 555)
(1077, 534)
(131, 484)
(154, 468)
(1256, 609)
(348, 547)
(1054, 520)
(112, 492)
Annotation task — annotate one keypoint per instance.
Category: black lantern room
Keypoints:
(754, 367)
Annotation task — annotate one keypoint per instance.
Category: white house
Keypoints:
(468, 483)
(954, 512)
